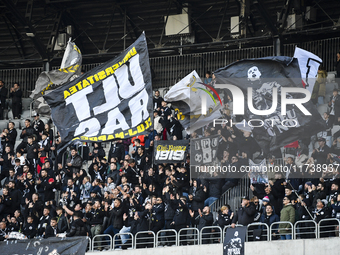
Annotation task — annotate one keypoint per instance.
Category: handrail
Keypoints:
(118, 235)
(145, 232)
(233, 195)
(278, 223)
(187, 235)
(211, 233)
(305, 221)
(258, 224)
(101, 241)
(159, 239)
(90, 243)
(329, 231)
(229, 226)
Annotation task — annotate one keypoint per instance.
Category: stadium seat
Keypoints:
(3, 124)
(322, 108)
(26, 102)
(26, 114)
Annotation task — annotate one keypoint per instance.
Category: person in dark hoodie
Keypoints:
(115, 218)
(245, 214)
(214, 186)
(78, 227)
(169, 213)
(182, 216)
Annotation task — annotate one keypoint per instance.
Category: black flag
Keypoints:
(234, 241)
(265, 76)
(112, 101)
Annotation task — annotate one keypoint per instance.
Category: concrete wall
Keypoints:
(292, 247)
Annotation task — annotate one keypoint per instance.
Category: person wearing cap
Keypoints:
(320, 212)
(38, 125)
(245, 214)
(287, 214)
(334, 108)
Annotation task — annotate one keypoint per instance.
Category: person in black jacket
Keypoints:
(182, 217)
(25, 133)
(214, 186)
(117, 151)
(78, 227)
(62, 224)
(225, 216)
(15, 195)
(116, 218)
(12, 134)
(334, 108)
(197, 196)
(16, 94)
(96, 219)
(3, 96)
(52, 229)
(74, 162)
(30, 229)
(158, 215)
(205, 220)
(245, 214)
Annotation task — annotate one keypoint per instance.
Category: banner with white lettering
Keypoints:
(268, 94)
(50, 246)
(234, 241)
(112, 101)
(170, 151)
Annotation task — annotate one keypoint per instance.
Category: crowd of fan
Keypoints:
(123, 191)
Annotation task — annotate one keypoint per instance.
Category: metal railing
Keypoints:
(229, 226)
(165, 238)
(89, 245)
(328, 227)
(264, 236)
(144, 240)
(192, 236)
(305, 230)
(210, 234)
(128, 244)
(277, 229)
(188, 236)
(102, 242)
(233, 195)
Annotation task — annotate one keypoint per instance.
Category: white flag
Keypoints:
(309, 65)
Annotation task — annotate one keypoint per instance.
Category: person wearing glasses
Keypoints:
(287, 214)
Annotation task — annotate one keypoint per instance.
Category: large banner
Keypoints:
(309, 66)
(269, 95)
(70, 69)
(186, 98)
(170, 151)
(112, 101)
(49, 246)
(234, 241)
(203, 151)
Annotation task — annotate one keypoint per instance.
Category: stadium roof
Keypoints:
(101, 29)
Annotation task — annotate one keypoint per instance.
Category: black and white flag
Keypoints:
(203, 150)
(234, 241)
(112, 101)
(268, 94)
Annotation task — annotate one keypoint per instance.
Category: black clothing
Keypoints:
(16, 102)
(245, 215)
(50, 232)
(78, 228)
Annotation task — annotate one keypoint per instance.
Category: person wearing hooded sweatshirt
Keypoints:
(287, 214)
